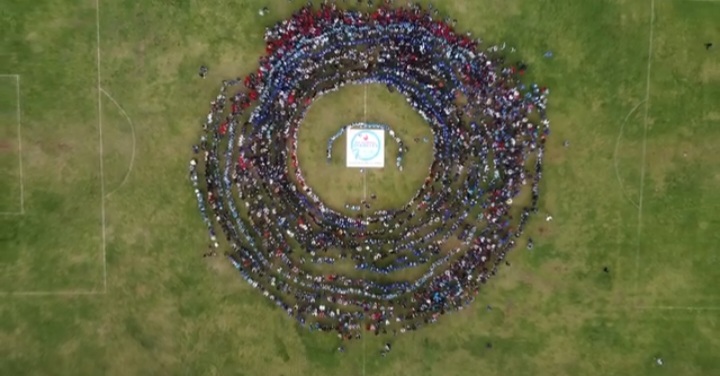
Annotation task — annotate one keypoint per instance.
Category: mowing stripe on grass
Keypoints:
(644, 146)
(18, 117)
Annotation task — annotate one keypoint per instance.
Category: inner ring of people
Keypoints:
(489, 133)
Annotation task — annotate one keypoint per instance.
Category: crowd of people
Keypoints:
(411, 264)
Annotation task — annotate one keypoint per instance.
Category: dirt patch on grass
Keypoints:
(7, 147)
(710, 72)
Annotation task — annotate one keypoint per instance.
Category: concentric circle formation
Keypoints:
(377, 270)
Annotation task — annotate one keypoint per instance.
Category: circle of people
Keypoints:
(410, 265)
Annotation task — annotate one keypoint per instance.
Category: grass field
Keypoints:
(338, 185)
(100, 241)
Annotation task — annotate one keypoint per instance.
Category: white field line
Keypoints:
(364, 187)
(132, 131)
(642, 176)
(102, 192)
(100, 146)
(615, 153)
(50, 293)
(365, 106)
(677, 308)
(637, 258)
(644, 146)
(102, 189)
(19, 135)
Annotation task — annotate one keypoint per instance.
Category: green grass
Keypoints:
(167, 311)
(9, 160)
(337, 185)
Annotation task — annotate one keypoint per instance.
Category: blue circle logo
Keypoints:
(365, 146)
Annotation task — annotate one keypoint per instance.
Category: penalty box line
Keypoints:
(100, 148)
(51, 293)
(644, 148)
(646, 100)
(18, 120)
(102, 190)
(678, 308)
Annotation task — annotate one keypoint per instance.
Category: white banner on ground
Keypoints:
(365, 148)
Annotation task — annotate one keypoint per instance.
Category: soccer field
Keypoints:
(100, 240)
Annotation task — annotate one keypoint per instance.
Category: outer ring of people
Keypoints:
(404, 268)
